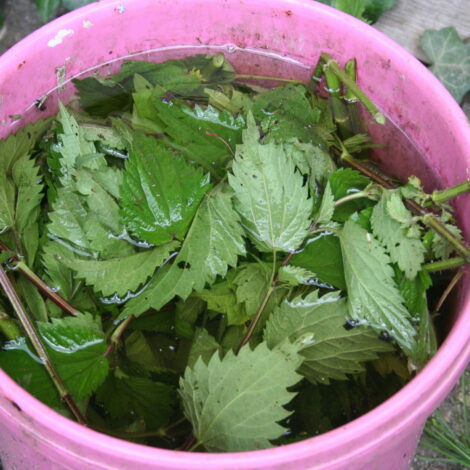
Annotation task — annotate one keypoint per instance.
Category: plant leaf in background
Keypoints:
(47, 8)
(450, 59)
(366, 10)
(235, 403)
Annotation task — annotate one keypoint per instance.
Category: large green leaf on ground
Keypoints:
(160, 192)
(373, 297)
(270, 194)
(235, 403)
(450, 59)
(330, 350)
(213, 243)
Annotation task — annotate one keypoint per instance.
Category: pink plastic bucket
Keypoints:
(35, 437)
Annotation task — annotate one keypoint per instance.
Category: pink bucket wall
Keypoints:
(32, 436)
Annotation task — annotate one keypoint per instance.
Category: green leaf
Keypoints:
(330, 350)
(204, 346)
(235, 403)
(286, 112)
(76, 151)
(132, 398)
(213, 243)
(373, 297)
(352, 7)
(450, 59)
(405, 249)
(118, 276)
(327, 207)
(7, 202)
(26, 177)
(47, 8)
(68, 220)
(322, 256)
(160, 192)
(201, 134)
(441, 247)
(375, 8)
(343, 182)
(75, 347)
(73, 4)
(294, 275)
(269, 194)
(77, 352)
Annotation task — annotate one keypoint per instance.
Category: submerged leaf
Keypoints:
(235, 403)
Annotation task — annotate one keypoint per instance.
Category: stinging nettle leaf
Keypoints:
(235, 403)
(269, 194)
(450, 59)
(330, 351)
(294, 275)
(213, 243)
(406, 251)
(160, 192)
(373, 297)
(120, 275)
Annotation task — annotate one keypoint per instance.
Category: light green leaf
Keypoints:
(450, 59)
(7, 202)
(252, 282)
(441, 247)
(120, 275)
(373, 297)
(134, 398)
(407, 251)
(75, 149)
(68, 218)
(235, 403)
(330, 350)
(213, 243)
(204, 346)
(327, 207)
(295, 275)
(160, 192)
(352, 7)
(269, 194)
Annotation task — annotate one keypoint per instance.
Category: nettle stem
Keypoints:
(264, 77)
(41, 285)
(451, 263)
(36, 342)
(444, 195)
(117, 335)
(428, 218)
(255, 320)
(330, 64)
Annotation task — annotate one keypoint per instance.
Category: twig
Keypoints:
(41, 285)
(33, 336)
(117, 334)
(452, 284)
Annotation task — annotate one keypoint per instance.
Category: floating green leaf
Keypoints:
(405, 249)
(269, 194)
(235, 403)
(160, 192)
(373, 297)
(330, 349)
(212, 244)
